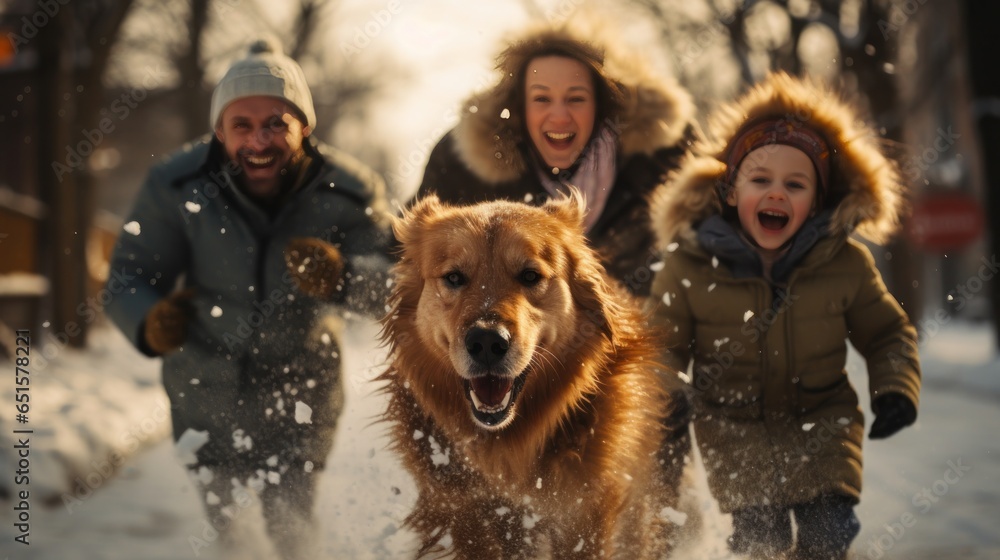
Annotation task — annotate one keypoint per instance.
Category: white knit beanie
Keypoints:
(265, 71)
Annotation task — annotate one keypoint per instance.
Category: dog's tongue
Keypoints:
(490, 389)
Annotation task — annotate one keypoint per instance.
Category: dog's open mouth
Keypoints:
(493, 398)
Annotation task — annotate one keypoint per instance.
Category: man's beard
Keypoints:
(286, 176)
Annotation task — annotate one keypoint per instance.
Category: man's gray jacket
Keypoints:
(261, 361)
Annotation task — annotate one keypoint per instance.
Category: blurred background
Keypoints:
(92, 92)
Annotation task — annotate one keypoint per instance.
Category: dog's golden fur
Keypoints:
(574, 466)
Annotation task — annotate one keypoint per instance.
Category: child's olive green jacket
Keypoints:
(777, 420)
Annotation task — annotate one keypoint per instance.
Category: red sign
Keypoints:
(945, 222)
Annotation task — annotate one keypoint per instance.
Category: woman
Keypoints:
(565, 116)
(560, 116)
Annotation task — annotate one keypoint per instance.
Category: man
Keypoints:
(250, 357)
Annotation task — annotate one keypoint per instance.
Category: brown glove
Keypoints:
(167, 321)
(316, 266)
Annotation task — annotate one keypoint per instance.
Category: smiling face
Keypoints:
(560, 108)
(497, 302)
(493, 303)
(262, 135)
(774, 193)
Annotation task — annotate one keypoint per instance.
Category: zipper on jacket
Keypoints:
(789, 347)
(261, 268)
(764, 361)
(796, 378)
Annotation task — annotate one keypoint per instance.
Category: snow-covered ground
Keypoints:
(87, 411)
(150, 509)
(930, 491)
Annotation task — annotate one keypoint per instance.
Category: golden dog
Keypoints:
(524, 395)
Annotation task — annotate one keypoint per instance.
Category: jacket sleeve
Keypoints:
(447, 177)
(368, 250)
(672, 316)
(368, 282)
(435, 172)
(883, 334)
(150, 254)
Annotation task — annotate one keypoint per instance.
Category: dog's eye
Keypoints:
(530, 277)
(454, 279)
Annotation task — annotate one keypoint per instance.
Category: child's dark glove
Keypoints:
(316, 266)
(166, 322)
(893, 412)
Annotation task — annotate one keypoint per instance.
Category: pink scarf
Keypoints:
(594, 176)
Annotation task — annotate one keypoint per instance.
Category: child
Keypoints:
(761, 288)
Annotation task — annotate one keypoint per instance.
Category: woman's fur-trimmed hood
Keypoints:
(866, 191)
(657, 112)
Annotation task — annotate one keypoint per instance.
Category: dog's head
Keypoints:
(488, 296)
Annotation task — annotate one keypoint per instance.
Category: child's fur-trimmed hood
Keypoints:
(866, 192)
(657, 111)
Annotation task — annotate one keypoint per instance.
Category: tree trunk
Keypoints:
(305, 27)
(194, 98)
(59, 160)
(89, 127)
(883, 94)
(981, 19)
(738, 42)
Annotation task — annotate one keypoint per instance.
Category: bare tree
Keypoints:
(73, 51)
(197, 39)
(192, 71)
(90, 47)
(980, 21)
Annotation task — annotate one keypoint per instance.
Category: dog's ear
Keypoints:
(589, 286)
(409, 230)
(569, 208)
(405, 227)
(592, 293)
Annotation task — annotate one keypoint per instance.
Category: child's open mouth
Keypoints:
(772, 220)
(560, 140)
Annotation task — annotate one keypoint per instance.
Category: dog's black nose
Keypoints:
(485, 346)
